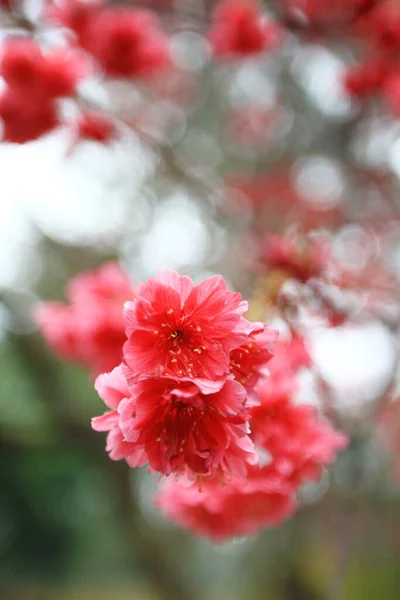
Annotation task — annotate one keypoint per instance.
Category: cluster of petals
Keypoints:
(240, 29)
(190, 362)
(90, 328)
(35, 80)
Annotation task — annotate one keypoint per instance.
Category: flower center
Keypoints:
(176, 336)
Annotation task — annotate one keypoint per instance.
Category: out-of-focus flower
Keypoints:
(24, 121)
(238, 508)
(297, 440)
(34, 81)
(381, 27)
(367, 78)
(127, 42)
(289, 357)
(177, 328)
(240, 29)
(90, 329)
(26, 69)
(301, 257)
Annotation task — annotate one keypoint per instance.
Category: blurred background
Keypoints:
(227, 154)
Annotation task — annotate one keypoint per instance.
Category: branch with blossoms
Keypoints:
(200, 387)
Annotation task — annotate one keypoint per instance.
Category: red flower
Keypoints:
(23, 119)
(26, 69)
(367, 78)
(89, 330)
(35, 80)
(239, 28)
(60, 72)
(189, 426)
(127, 42)
(382, 27)
(177, 328)
(238, 508)
(20, 62)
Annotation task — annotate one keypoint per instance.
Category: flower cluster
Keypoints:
(116, 42)
(190, 365)
(201, 395)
